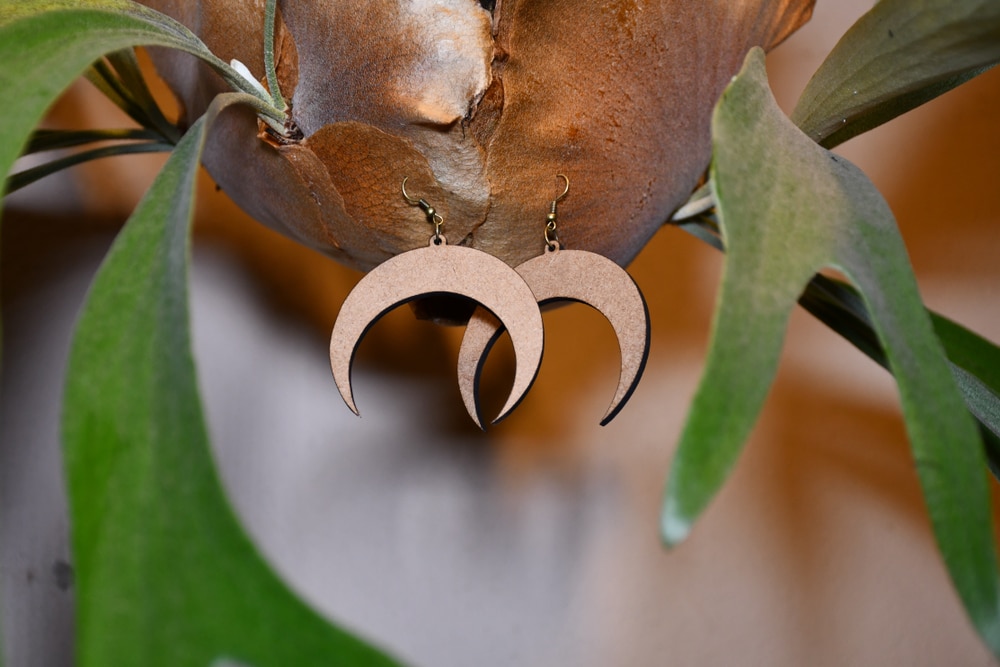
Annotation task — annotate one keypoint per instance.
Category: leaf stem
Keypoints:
(270, 9)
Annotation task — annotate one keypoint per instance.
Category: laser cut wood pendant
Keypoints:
(438, 269)
(573, 275)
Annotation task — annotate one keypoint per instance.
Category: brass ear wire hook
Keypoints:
(433, 216)
(551, 238)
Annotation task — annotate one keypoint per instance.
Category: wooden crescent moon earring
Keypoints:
(435, 269)
(574, 275)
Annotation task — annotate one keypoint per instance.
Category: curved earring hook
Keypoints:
(551, 238)
(565, 190)
(409, 200)
(433, 216)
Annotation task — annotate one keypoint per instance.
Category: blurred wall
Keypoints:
(536, 542)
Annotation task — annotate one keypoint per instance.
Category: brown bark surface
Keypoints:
(480, 109)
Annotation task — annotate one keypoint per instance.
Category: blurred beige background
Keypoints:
(536, 542)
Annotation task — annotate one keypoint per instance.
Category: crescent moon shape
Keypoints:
(435, 269)
(573, 275)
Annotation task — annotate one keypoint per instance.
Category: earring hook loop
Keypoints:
(409, 200)
(433, 217)
(551, 238)
(565, 190)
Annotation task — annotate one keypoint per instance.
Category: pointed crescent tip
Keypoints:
(524, 377)
(471, 358)
(616, 406)
(623, 393)
(481, 334)
(353, 408)
(341, 369)
(347, 395)
(472, 404)
(513, 400)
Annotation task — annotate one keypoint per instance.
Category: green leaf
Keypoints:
(896, 57)
(977, 371)
(50, 140)
(788, 208)
(139, 141)
(270, 9)
(975, 361)
(28, 176)
(982, 401)
(103, 77)
(46, 44)
(118, 77)
(970, 351)
(164, 574)
(841, 307)
(130, 74)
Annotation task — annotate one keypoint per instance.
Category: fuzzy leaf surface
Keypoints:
(165, 575)
(899, 55)
(788, 208)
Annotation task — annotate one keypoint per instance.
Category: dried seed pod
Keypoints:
(480, 108)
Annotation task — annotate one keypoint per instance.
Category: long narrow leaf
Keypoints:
(50, 140)
(127, 67)
(974, 360)
(28, 176)
(977, 371)
(165, 576)
(104, 79)
(788, 208)
(972, 352)
(896, 57)
(982, 401)
(840, 307)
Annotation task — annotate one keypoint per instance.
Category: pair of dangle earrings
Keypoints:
(508, 299)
